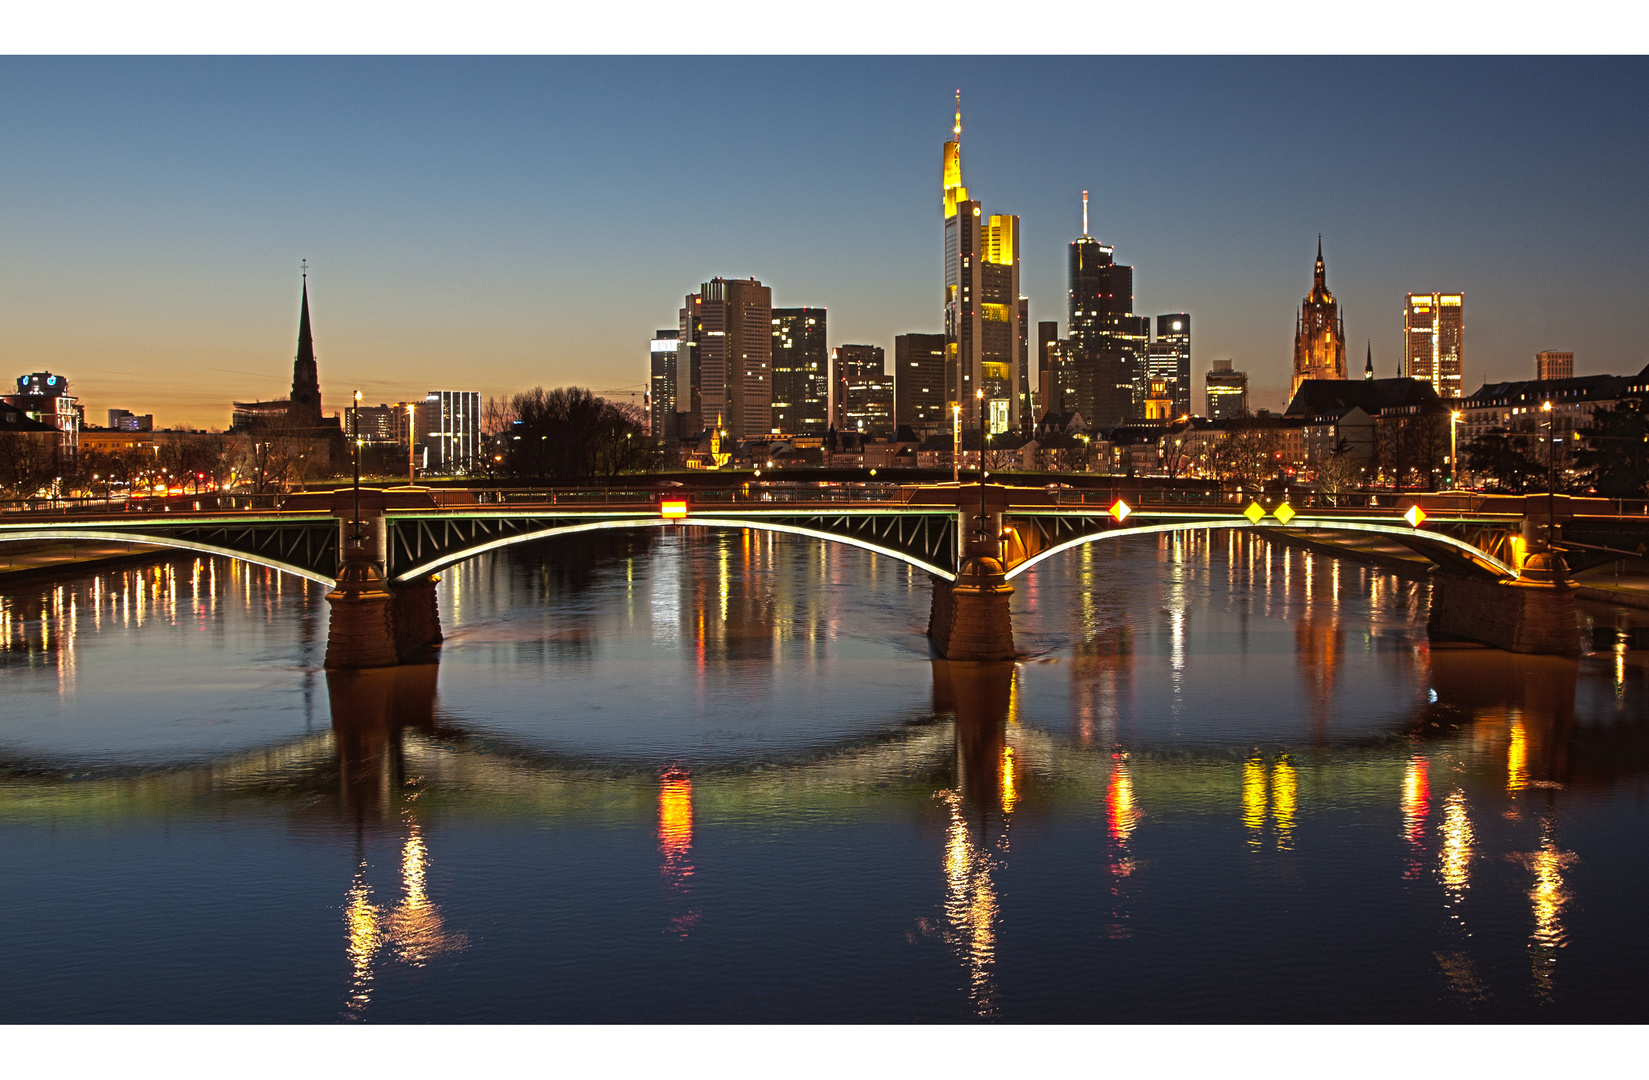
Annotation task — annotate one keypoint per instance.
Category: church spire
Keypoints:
(1319, 277)
(306, 385)
(1368, 368)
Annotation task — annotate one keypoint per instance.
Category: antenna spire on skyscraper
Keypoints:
(1085, 215)
(958, 127)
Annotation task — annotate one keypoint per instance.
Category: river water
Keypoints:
(699, 776)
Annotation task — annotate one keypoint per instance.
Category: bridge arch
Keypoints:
(162, 540)
(1482, 560)
(447, 559)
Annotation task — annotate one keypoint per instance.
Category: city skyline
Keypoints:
(455, 222)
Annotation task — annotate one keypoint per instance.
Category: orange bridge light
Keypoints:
(1120, 510)
(1415, 516)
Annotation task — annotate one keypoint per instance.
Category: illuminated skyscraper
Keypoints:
(1434, 331)
(1227, 391)
(985, 341)
(1319, 332)
(863, 391)
(727, 337)
(1103, 376)
(662, 383)
(801, 375)
(1170, 359)
(919, 382)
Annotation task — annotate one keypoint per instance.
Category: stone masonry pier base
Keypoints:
(1518, 616)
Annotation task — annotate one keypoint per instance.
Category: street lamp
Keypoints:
(956, 443)
(979, 398)
(1551, 469)
(1454, 450)
(412, 460)
(355, 427)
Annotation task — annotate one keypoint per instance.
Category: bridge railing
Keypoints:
(156, 504)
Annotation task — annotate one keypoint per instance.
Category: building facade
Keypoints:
(727, 332)
(1434, 331)
(45, 399)
(661, 383)
(1102, 372)
(919, 383)
(449, 431)
(1319, 332)
(986, 342)
(1554, 365)
(1170, 359)
(801, 375)
(1226, 390)
(862, 397)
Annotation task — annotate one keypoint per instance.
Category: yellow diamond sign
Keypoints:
(1254, 512)
(1414, 517)
(1284, 512)
(1120, 509)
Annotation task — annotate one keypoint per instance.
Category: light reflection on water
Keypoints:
(1204, 734)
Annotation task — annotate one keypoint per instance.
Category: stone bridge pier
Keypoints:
(970, 618)
(1531, 613)
(375, 622)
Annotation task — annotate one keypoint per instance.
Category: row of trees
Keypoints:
(1611, 457)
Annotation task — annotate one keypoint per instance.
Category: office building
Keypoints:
(1169, 359)
(449, 431)
(1319, 332)
(126, 420)
(985, 340)
(1047, 368)
(45, 399)
(378, 425)
(727, 334)
(1434, 332)
(1554, 365)
(1102, 374)
(862, 398)
(801, 371)
(1227, 391)
(661, 383)
(919, 383)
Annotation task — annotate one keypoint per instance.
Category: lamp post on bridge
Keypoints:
(1454, 450)
(1551, 470)
(355, 430)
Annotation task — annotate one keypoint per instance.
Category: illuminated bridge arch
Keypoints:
(1439, 547)
(422, 544)
(273, 561)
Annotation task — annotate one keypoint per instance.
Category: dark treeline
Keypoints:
(568, 435)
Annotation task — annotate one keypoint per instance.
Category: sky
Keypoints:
(496, 223)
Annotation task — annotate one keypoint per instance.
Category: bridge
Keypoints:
(1501, 563)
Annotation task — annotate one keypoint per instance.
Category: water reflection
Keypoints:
(372, 712)
(1454, 859)
(1547, 897)
(675, 843)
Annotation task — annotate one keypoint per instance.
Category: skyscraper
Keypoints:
(1227, 391)
(1104, 376)
(985, 343)
(801, 375)
(662, 383)
(1319, 332)
(1047, 367)
(1554, 365)
(449, 429)
(1170, 358)
(863, 391)
(919, 382)
(727, 332)
(1434, 331)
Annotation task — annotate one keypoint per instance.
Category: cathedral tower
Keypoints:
(1319, 333)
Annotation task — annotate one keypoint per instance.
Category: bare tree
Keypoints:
(28, 463)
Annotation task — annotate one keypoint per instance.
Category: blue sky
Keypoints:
(496, 223)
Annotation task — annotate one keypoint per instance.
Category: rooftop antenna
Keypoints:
(1085, 215)
(304, 263)
(958, 115)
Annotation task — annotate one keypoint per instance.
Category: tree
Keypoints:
(28, 463)
(1247, 454)
(567, 435)
(1498, 456)
(1615, 458)
(1341, 470)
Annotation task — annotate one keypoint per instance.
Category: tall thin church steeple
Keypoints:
(306, 385)
(1368, 367)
